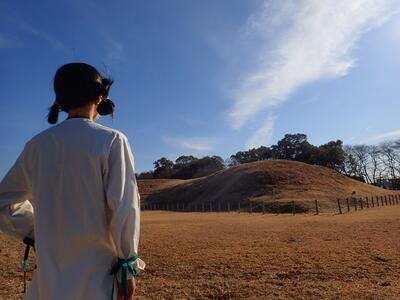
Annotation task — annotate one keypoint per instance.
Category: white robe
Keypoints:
(73, 189)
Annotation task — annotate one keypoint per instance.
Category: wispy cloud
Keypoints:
(263, 135)
(54, 42)
(386, 135)
(8, 42)
(191, 143)
(299, 42)
(115, 50)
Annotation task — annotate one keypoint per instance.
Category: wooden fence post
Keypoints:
(339, 207)
(386, 201)
(361, 203)
(293, 208)
(348, 204)
(381, 200)
(316, 207)
(355, 203)
(366, 199)
(372, 201)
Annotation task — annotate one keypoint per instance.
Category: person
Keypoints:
(73, 191)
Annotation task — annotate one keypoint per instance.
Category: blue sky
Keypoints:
(208, 77)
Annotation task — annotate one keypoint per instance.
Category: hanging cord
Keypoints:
(125, 265)
(29, 243)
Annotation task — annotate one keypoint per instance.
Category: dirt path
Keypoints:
(236, 256)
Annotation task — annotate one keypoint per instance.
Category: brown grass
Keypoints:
(243, 256)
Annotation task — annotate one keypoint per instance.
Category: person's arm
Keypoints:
(16, 211)
(123, 201)
(123, 198)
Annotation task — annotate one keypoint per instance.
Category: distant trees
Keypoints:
(295, 147)
(255, 154)
(185, 167)
(331, 155)
(373, 164)
(163, 168)
(291, 147)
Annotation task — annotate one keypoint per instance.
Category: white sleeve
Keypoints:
(16, 211)
(123, 198)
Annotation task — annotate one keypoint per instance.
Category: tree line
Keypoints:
(374, 164)
(292, 146)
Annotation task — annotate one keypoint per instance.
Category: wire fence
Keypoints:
(342, 205)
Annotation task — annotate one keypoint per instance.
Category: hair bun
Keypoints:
(106, 107)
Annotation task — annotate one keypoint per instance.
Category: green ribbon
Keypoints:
(29, 243)
(25, 265)
(125, 267)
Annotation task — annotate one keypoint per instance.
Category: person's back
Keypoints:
(79, 177)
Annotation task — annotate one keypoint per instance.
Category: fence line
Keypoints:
(290, 207)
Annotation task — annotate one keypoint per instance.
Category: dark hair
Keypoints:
(77, 84)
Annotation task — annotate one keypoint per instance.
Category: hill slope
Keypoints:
(263, 181)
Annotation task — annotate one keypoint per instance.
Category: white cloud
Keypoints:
(386, 135)
(263, 135)
(192, 143)
(298, 42)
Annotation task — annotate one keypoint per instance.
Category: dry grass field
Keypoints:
(243, 256)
